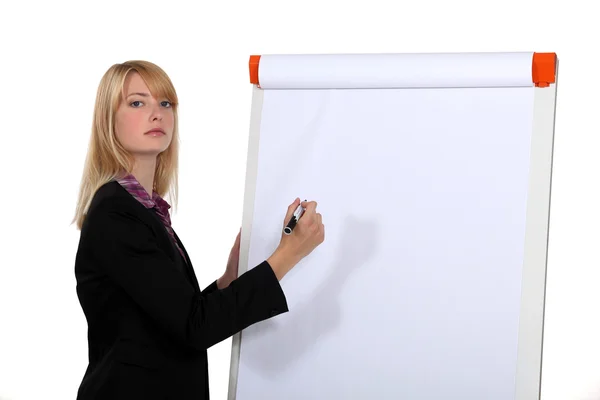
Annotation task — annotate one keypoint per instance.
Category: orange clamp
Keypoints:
(253, 64)
(543, 69)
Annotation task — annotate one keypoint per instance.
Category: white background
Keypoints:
(53, 55)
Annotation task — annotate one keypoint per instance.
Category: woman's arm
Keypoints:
(124, 248)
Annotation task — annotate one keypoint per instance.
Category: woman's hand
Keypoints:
(308, 234)
(233, 263)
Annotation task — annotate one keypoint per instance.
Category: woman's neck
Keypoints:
(144, 170)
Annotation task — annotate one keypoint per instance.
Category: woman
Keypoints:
(149, 324)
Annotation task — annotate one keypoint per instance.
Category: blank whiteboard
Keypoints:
(432, 173)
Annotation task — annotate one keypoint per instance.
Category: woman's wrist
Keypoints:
(281, 261)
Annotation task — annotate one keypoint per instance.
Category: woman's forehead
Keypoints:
(134, 82)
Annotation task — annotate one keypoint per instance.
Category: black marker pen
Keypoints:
(294, 220)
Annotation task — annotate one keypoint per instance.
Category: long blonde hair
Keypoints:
(106, 158)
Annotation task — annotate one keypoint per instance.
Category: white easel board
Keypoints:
(432, 173)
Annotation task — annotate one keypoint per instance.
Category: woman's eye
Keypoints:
(137, 103)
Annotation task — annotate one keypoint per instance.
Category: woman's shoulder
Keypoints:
(113, 219)
(107, 195)
(110, 199)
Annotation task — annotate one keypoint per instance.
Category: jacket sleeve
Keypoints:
(210, 288)
(125, 249)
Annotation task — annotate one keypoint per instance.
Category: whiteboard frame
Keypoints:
(247, 218)
(535, 258)
(533, 291)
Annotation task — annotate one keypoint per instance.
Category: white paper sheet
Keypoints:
(415, 293)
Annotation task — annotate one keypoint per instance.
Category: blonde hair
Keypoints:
(106, 157)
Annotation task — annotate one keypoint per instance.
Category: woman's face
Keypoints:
(138, 115)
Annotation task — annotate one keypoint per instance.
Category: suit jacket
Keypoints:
(149, 323)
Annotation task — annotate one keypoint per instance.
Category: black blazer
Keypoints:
(149, 324)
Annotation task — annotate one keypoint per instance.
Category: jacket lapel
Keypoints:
(166, 243)
(183, 266)
(188, 264)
